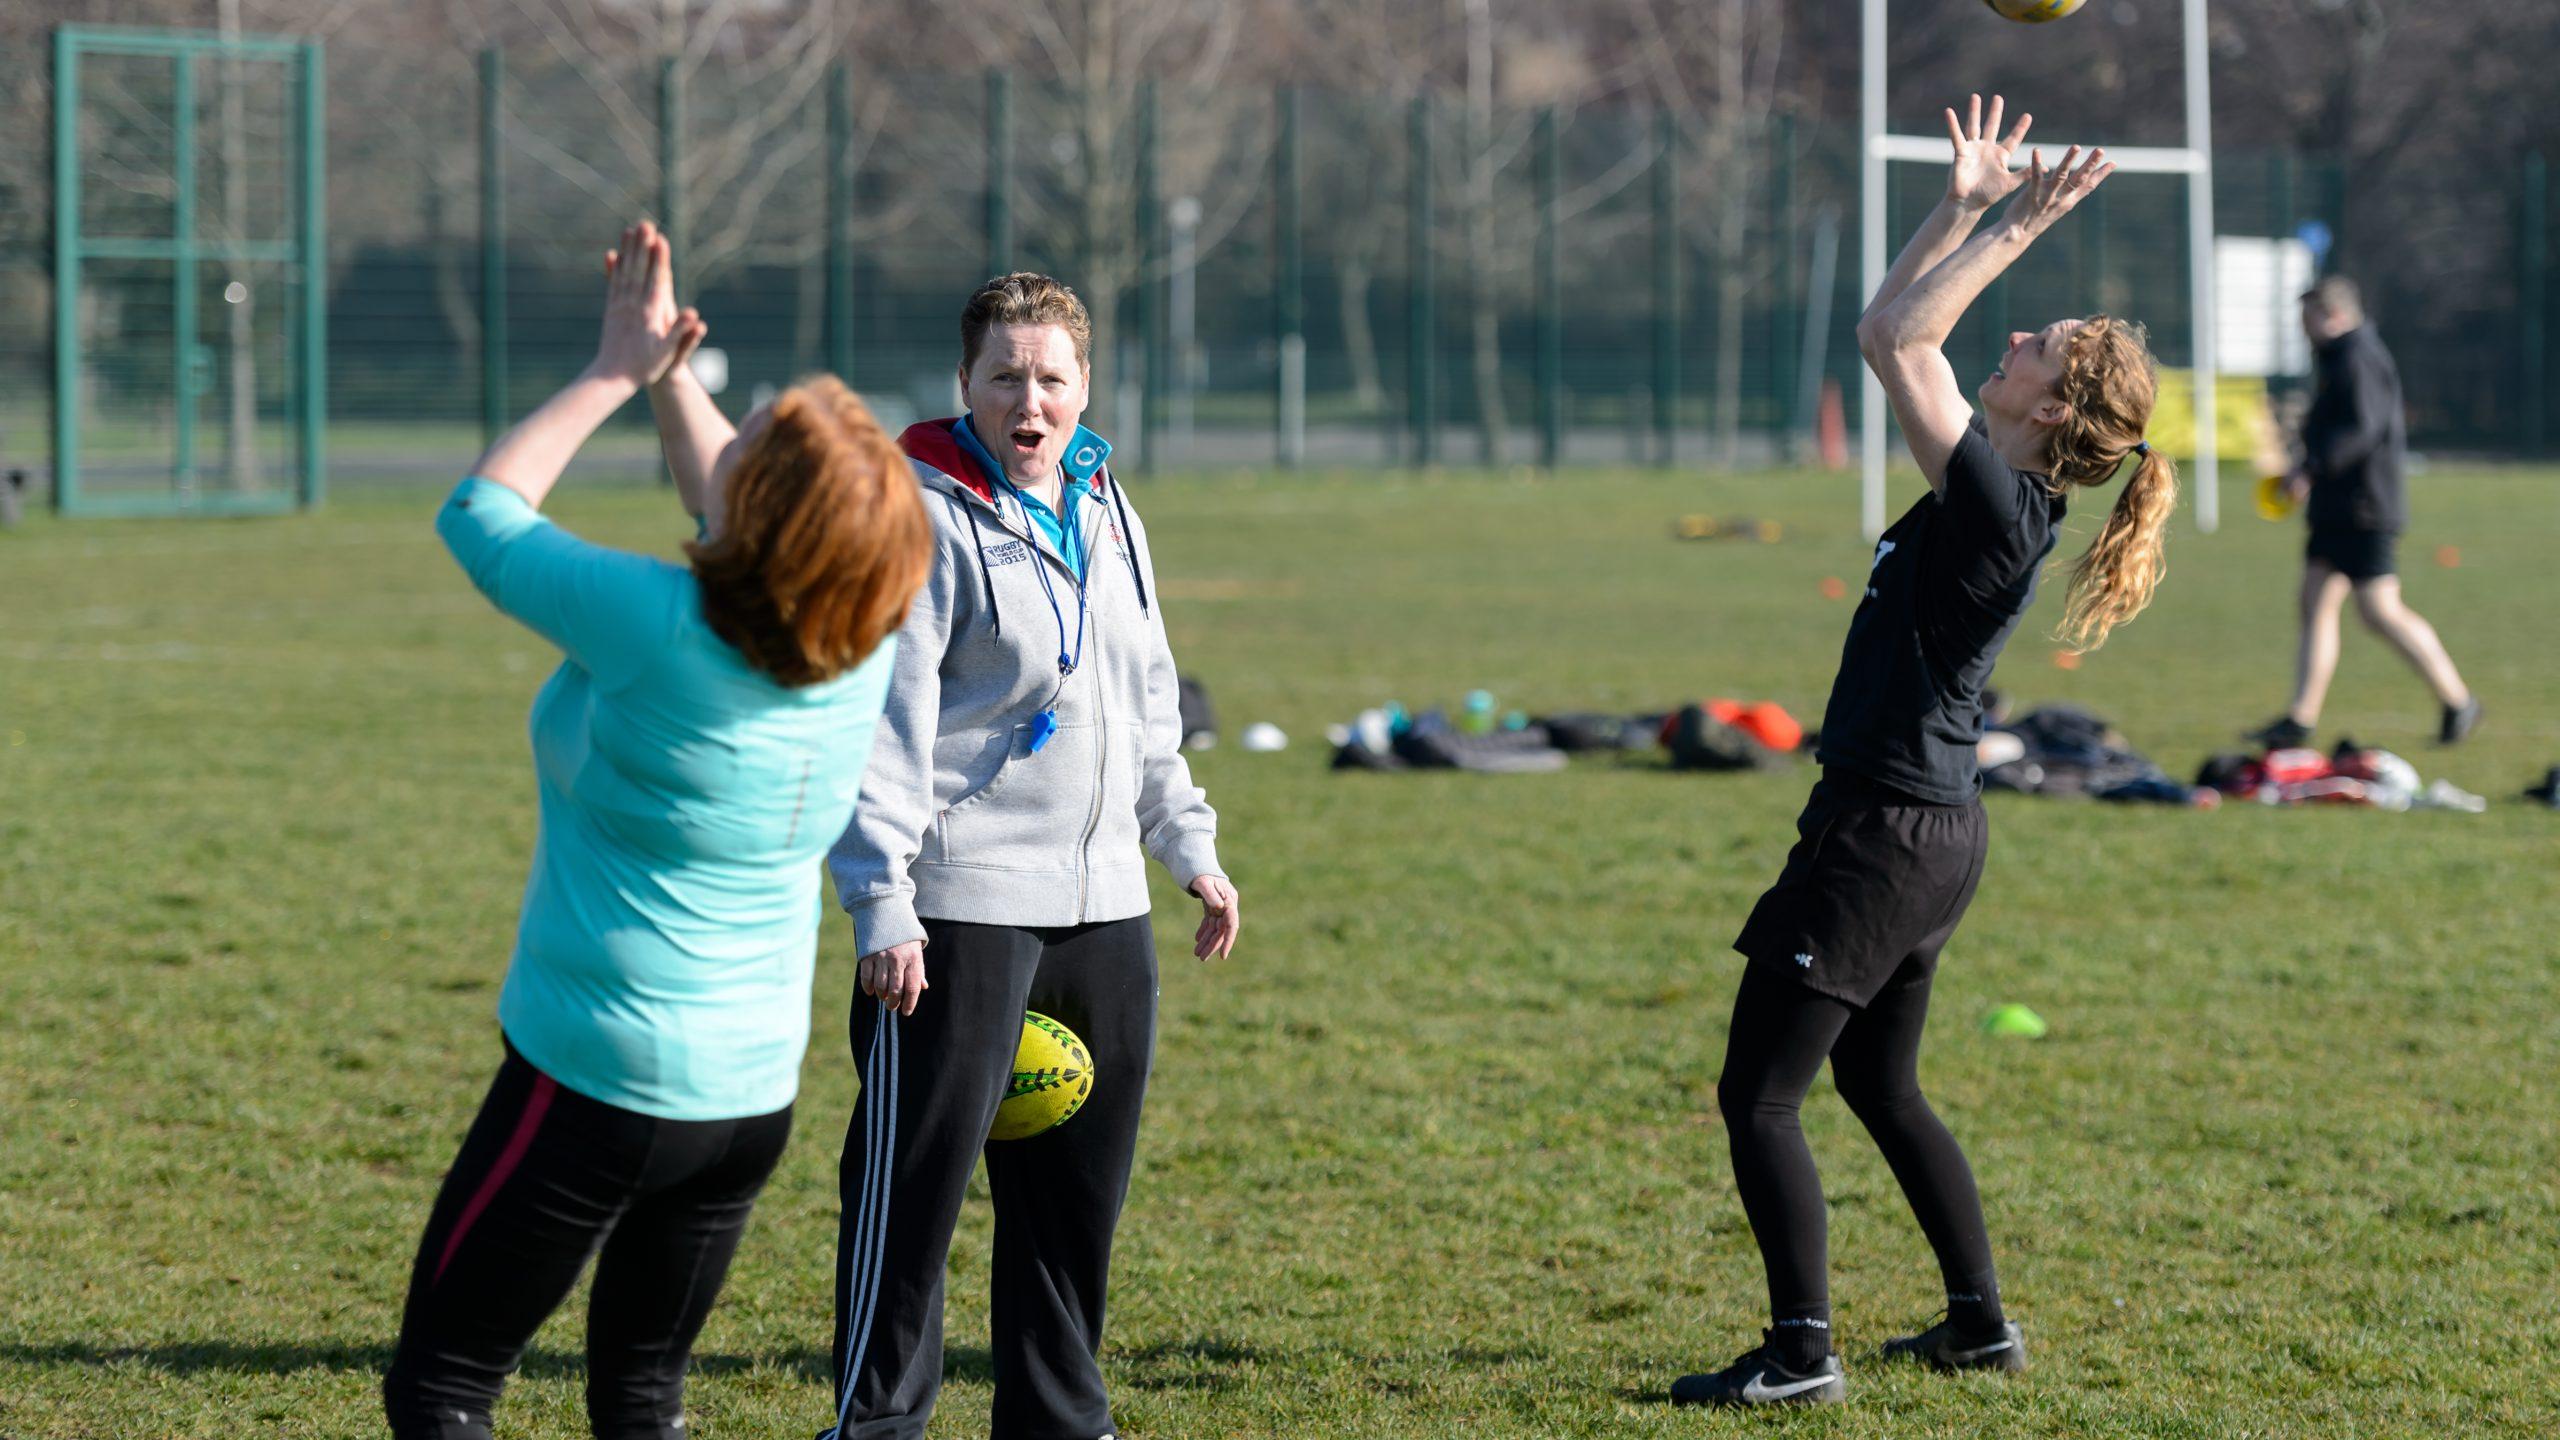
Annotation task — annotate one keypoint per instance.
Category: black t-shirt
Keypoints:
(1947, 585)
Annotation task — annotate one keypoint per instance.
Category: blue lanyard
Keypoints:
(1045, 724)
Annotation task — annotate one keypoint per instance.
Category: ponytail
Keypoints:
(2115, 577)
(2109, 380)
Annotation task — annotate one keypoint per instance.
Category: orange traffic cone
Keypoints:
(1831, 428)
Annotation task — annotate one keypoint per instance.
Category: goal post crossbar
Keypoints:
(2194, 160)
(2132, 159)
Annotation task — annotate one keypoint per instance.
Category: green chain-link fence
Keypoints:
(1338, 279)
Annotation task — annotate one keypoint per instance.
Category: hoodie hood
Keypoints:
(947, 452)
(950, 447)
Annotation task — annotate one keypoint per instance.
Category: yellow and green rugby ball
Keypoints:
(2033, 12)
(1052, 1075)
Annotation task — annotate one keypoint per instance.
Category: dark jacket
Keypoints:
(2356, 438)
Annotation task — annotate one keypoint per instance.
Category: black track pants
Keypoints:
(1781, 1034)
(547, 1178)
(931, 1082)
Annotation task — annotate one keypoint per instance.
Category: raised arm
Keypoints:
(633, 350)
(691, 429)
(693, 432)
(1903, 337)
(1979, 179)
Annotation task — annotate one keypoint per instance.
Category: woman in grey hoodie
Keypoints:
(1028, 762)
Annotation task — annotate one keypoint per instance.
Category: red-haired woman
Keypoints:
(697, 750)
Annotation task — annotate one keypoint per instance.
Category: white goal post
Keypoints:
(2195, 161)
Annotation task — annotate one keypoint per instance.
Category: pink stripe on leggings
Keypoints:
(508, 1159)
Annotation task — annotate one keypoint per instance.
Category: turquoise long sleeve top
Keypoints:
(664, 953)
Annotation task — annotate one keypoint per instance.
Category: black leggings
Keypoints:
(1781, 1034)
(545, 1178)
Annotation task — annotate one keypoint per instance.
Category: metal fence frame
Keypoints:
(183, 250)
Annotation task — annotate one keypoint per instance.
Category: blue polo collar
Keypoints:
(1084, 459)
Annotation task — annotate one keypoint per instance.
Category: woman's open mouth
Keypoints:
(1028, 441)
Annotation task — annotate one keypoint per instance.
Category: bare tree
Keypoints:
(1380, 57)
(753, 75)
(752, 150)
(1092, 63)
(1716, 65)
(2419, 102)
(1507, 60)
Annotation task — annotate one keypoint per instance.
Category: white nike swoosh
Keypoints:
(1758, 1391)
(1960, 1356)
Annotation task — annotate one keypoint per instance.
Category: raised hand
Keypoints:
(2050, 194)
(1981, 176)
(644, 335)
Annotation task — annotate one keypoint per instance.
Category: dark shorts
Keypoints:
(1876, 879)
(2360, 555)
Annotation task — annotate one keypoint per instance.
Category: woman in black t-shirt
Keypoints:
(1842, 949)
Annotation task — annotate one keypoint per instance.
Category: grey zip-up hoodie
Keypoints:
(959, 818)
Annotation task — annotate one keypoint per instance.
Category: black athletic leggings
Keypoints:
(1781, 1034)
(545, 1178)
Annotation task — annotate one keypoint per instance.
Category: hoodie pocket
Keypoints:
(984, 761)
(1032, 813)
(1115, 833)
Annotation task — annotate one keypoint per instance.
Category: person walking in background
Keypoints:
(2355, 453)
(1029, 763)
(697, 750)
(1842, 950)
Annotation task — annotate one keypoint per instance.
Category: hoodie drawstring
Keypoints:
(1129, 549)
(1129, 539)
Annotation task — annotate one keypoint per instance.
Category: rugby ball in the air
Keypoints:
(1052, 1075)
(2033, 12)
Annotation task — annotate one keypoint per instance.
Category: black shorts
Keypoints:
(1877, 878)
(2360, 555)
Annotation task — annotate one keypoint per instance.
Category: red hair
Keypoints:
(823, 539)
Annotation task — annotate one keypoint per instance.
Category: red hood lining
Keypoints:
(932, 442)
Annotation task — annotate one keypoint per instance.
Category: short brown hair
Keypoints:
(1023, 298)
(2336, 294)
(823, 539)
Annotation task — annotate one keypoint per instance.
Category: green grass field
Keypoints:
(1436, 1154)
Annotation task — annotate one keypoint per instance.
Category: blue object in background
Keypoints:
(2316, 235)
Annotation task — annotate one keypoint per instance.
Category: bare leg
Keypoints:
(2378, 601)
(2324, 594)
